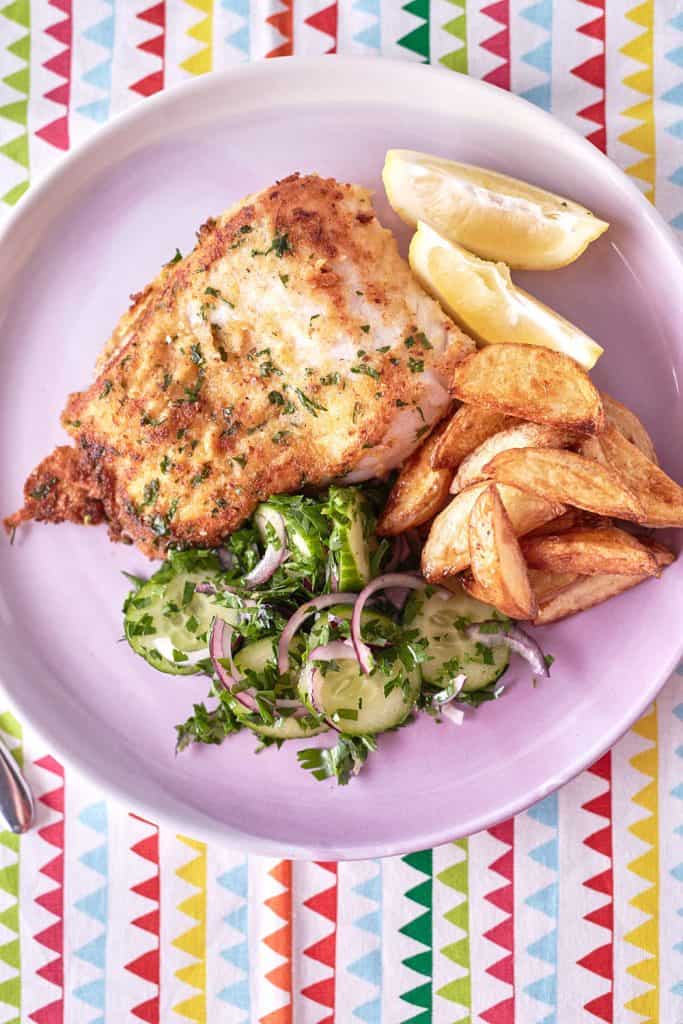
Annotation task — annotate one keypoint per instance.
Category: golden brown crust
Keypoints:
(275, 354)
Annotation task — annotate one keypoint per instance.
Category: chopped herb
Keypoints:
(400, 404)
(74, 423)
(188, 592)
(358, 293)
(280, 437)
(330, 378)
(246, 229)
(310, 322)
(165, 464)
(167, 381)
(369, 371)
(148, 421)
(358, 408)
(384, 348)
(268, 368)
(421, 431)
(279, 245)
(341, 761)
(44, 489)
(201, 476)
(365, 328)
(196, 355)
(175, 259)
(241, 460)
(416, 365)
(150, 492)
(284, 278)
(394, 361)
(424, 341)
(409, 341)
(222, 353)
(360, 353)
(106, 388)
(308, 403)
(422, 415)
(275, 398)
(548, 659)
(350, 714)
(217, 295)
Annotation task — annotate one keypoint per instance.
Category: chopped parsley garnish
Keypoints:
(106, 388)
(308, 403)
(44, 489)
(384, 348)
(409, 341)
(165, 464)
(400, 404)
(268, 368)
(150, 492)
(215, 292)
(424, 341)
(279, 245)
(416, 365)
(357, 409)
(310, 322)
(365, 328)
(369, 371)
(548, 659)
(280, 437)
(241, 460)
(421, 431)
(175, 259)
(201, 476)
(149, 421)
(339, 762)
(196, 355)
(167, 381)
(284, 278)
(330, 378)
(275, 398)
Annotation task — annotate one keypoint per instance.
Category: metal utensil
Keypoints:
(16, 799)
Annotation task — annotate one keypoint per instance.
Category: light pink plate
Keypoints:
(99, 228)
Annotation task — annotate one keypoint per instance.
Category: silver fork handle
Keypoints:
(16, 799)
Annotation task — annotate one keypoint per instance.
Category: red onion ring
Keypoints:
(454, 715)
(303, 611)
(220, 646)
(408, 580)
(273, 556)
(514, 638)
(439, 701)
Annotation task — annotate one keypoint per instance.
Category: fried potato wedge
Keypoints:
(465, 431)
(525, 435)
(446, 551)
(549, 584)
(588, 591)
(532, 383)
(661, 498)
(569, 520)
(591, 552)
(496, 558)
(569, 478)
(628, 424)
(419, 493)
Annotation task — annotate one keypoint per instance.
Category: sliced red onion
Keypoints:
(440, 700)
(397, 596)
(220, 646)
(210, 589)
(400, 550)
(273, 556)
(312, 678)
(387, 580)
(454, 715)
(302, 613)
(226, 558)
(514, 638)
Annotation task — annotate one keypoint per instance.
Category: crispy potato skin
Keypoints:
(468, 428)
(661, 497)
(271, 357)
(590, 551)
(419, 493)
(496, 559)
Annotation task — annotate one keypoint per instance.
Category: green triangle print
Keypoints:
(419, 929)
(19, 11)
(17, 149)
(19, 80)
(459, 989)
(420, 996)
(15, 111)
(12, 197)
(418, 40)
(21, 48)
(421, 861)
(456, 60)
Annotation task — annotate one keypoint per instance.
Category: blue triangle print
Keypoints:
(238, 919)
(679, 671)
(370, 36)
(237, 995)
(545, 900)
(367, 7)
(676, 56)
(545, 948)
(545, 990)
(546, 854)
(96, 859)
(540, 95)
(240, 39)
(236, 880)
(102, 33)
(677, 791)
(677, 223)
(369, 967)
(371, 888)
(95, 817)
(237, 7)
(540, 58)
(674, 95)
(371, 922)
(237, 955)
(677, 22)
(94, 952)
(369, 1012)
(550, 1019)
(97, 111)
(94, 904)
(100, 76)
(545, 811)
(92, 993)
(678, 710)
(677, 872)
(540, 14)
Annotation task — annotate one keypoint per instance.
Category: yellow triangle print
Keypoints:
(201, 62)
(192, 942)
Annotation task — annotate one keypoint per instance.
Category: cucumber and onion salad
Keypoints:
(307, 622)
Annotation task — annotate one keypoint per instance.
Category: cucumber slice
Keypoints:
(357, 703)
(258, 656)
(372, 623)
(351, 536)
(167, 622)
(439, 620)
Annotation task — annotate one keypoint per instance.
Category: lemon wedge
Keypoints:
(492, 215)
(482, 298)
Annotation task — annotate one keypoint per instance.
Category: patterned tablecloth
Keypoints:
(570, 912)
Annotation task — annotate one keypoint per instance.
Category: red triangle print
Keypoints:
(599, 961)
(148, 1011)
(52, 937)
(321, 992)
(592, 70)
(503, 866)
(603, 916)
(53, 833)
(53, 972)
(148, 922)
(51, 765)
(326, 21)
(148, 847)
(57, 133)
(324, 903)
(154, 46)
(54, 868)
(601, 882)
(149, 888)
(52, 901)
(504, 970)
(596, 112)
(601, 1007)
(283, 21)
(154, 15)
(51, 1014)
(594, 29)
(501, 898)
(504, 831)
(502, 934)
(601, 805)
(54, 800)
(60, 64)
(601, 841)
(146, 966)
(501, 1013)
(324, 950)
(603, 766)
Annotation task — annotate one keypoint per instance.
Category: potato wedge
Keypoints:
(466, 430)
(496, 558)
(446, 551)
(589, 591)
(591, 448)
(569, 520)
(419, 493)
(567, 477)
(525, 435)
(531, 383)
(660, 497)
(591, 552)
(628, 424)
(548, 584)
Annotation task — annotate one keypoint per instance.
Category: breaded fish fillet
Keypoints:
(291, 347)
